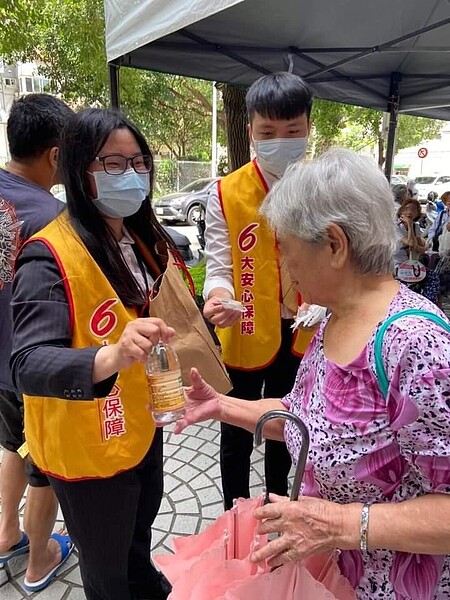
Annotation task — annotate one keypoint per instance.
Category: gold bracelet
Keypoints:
(363, 532)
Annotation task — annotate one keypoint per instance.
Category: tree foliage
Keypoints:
(360, 128)
(173, 111)
(66, 39)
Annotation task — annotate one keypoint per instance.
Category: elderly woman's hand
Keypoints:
(307, 526)
(202, 402)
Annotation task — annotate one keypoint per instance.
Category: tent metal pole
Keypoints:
(392, 109)
(334, 72)
(379, 48)
(113, 72)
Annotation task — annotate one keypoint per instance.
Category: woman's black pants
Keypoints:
(110, 522)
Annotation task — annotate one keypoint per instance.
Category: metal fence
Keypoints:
(172, 175)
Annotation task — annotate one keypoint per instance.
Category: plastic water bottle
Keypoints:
(165, 385)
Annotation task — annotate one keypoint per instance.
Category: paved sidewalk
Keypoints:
(191, 501)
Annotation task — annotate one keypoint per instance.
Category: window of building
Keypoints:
(28, 85)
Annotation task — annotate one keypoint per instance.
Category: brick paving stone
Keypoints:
(183, 454)
(170, 483)
(183, 492)
(186, 525)
(207, 434)
(9, 592)
(201, 481)
(203, 462)
(193, 442)
(76, 594)
(166, 506)
(73, 577)
(53, 592)
(170, 449)
(188, 507)
(209, 495)
(17, 565)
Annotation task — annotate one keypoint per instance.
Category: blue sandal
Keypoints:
(21, 547)
(67, 547)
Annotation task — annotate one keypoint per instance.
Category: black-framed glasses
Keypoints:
(117, 164)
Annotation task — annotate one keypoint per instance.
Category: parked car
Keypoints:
(186, 206)
(181, 241)
(398, 179)
(432, 183)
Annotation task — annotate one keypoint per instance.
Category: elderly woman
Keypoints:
(411, 245)
(409, 237)
(378, 473)
(400, 193)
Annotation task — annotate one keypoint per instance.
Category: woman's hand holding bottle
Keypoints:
(135, 343)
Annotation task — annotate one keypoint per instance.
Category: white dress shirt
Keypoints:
(126, 247)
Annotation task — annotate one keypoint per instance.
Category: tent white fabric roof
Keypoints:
(349, 50)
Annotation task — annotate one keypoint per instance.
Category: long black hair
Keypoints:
(82, 139)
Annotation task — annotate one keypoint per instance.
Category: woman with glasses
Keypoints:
(82, 332)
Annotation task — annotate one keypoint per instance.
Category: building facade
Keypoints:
(16, 80)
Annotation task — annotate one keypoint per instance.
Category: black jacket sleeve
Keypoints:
(42, 360)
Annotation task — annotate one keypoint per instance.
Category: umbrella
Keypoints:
(214, 564)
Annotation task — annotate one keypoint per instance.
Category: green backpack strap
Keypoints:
(411, 312)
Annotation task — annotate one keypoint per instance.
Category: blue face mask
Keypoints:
(274, 156)
(120, 195)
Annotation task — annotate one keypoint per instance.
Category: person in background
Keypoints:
(441, 221)
(81, 334)
(400, 192)
(243, 264)
(443, 266)
(34, 128)
(409, 237)
(377, 478)
(413, 192)
(411, 246)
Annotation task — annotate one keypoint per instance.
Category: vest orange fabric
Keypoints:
(254, 341)
(83, 439)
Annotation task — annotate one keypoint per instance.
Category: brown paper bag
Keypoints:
(193, 342)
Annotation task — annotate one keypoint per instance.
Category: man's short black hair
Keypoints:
(279, 96)
(35, 124)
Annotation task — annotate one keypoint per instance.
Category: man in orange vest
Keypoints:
(243, 265)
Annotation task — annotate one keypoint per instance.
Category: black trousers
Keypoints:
(109, 520)
(236, 444)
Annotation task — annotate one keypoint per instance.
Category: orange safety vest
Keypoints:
(254, 341)
(82, 439)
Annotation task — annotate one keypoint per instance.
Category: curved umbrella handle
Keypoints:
(301, 463)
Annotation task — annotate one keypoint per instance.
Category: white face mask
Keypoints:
(120, 195)
(274, 156)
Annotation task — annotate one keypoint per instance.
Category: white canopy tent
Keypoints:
(392, 55)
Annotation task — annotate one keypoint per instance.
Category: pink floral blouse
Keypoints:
(367, 448)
